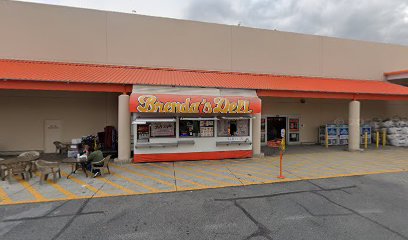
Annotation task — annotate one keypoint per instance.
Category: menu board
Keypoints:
(207, 131)
(142, 133)
(223, 128)
(206, 128)
(242, 127)
(162, 129)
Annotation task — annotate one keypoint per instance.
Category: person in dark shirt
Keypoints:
(93, 156)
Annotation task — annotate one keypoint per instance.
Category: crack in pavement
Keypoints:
(322, 215)
(354, 211)
(239, 180)
(284, 193)
(262, 230)
(362, 216)
(175, 178)
(54, 216)
(77, 213)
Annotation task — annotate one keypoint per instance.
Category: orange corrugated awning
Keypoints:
(26, 74)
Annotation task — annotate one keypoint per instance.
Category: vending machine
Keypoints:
(365, 129)
(343, 131)
(332, 134)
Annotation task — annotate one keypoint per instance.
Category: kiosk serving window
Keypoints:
(233, 128)
(196, 128)
(155, 128)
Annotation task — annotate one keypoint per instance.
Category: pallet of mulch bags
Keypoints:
(396, 130)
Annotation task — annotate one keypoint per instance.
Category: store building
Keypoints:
(68, 72)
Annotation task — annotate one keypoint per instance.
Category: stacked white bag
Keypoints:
(396, 129)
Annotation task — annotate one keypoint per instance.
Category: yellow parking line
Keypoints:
(171, 176)
(143, 175)
(86, 185)
(59, 188)
(266, 170)
(151, 189)
(235, 172)
(254, 171)
(252, 177)
(38, 196)
(256, 166)
(4, 196)
(126, 190)
(214, 168)
(263, 167)
(209, 173)
(204, 178)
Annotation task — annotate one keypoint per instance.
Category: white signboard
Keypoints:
(162, 129)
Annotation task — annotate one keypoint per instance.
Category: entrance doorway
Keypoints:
(52, 132)
(274, 127)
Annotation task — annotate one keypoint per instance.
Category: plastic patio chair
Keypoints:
(46, 168)
(60, 147)
(22, 164)
(101, 165)
(22, 168)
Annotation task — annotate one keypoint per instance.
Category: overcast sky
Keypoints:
(372, 20)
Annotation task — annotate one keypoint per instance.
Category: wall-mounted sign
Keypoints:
(162, 129)
(167, 103)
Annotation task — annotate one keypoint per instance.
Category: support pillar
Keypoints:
(124, 129)
(256, 135)
(354, 126)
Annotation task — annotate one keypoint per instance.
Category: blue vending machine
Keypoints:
(365, 128)
(343, 134)
(331, 132)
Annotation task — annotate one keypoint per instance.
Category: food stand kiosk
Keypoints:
(172, 124)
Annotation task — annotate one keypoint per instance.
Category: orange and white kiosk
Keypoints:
(179, 123)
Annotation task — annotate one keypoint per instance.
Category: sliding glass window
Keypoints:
(196, 128)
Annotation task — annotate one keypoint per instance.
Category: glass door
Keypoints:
(274, 126)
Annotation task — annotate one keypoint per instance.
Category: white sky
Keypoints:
(371, 20)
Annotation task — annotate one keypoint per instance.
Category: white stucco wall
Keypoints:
(55, 33)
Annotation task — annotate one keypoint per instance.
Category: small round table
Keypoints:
(75, 165)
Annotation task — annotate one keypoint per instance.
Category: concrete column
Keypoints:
(354, 126)
(124, 128)
(256, 135)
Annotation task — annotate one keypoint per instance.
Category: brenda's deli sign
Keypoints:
(168, 103)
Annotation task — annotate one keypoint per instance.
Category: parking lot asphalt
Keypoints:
(360, 207)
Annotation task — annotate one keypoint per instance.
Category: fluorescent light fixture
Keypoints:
(237, 118)
(199, 118)
(146, 120)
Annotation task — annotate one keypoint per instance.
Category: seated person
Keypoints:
(93, 156)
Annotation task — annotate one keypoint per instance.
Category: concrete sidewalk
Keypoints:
(312, 162)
